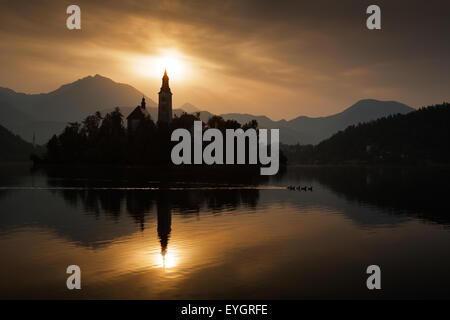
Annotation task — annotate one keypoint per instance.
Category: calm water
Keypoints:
(189, 238)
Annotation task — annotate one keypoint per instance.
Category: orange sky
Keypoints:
(261, 57)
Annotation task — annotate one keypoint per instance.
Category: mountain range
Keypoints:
(46, 114)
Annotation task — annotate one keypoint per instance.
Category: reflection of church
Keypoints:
(164, 221)
(164, 107)
(139, 204)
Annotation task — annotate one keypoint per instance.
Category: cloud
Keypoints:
(304, 57)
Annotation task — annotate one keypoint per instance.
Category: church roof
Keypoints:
(138, 113)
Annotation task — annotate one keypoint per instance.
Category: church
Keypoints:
(164, 107)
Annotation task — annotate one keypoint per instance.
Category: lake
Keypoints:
(137, 234)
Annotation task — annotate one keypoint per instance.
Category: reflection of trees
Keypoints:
(162, 176)
(104, 190)
(414, 191)
(139, 204)
(419, 192)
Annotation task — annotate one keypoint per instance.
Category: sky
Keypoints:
(276, 58)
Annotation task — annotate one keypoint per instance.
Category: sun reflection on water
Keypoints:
(167, 260)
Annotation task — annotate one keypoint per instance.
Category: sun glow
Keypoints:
(167, 260)
(172, 61)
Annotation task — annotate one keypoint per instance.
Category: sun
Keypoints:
(172, 61)
(171, 64)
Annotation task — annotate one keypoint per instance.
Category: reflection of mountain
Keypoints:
(47, 113)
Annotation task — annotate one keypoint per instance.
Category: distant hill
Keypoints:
(288, 134)
(189, 108)
(76, 100)
(48, 113)
(422, 136)
(13, 147)
(306, 130)
(10, 113)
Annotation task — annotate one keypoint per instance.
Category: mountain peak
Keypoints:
(189, 108)
(378, 107)
(76, 100)
(96, 77)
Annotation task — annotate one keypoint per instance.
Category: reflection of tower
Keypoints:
(165, 101)
(164, 222)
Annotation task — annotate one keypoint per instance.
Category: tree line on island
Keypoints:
(105, 140)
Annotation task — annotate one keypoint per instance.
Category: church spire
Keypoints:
(165, 81)
(165, 100)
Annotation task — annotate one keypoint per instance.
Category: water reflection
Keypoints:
(164, 228)
(139, 237)
(400, 191)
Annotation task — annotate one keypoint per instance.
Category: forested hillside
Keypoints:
(417, 137)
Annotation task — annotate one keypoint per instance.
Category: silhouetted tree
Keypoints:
(105, 140)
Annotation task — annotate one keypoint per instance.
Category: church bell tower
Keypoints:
(165, 101)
